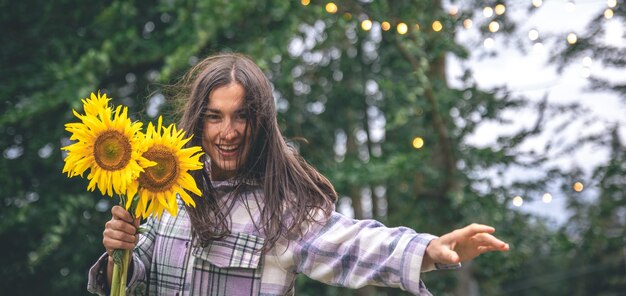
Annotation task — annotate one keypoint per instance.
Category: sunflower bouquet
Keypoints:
(147, 171)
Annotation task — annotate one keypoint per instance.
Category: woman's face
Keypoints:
(223, 132)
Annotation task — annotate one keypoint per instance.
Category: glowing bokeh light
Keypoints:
(494, 27)
(385, 26)
(467, 23)
(578, 187)
(489, 42)
(366, 25)
(488, 11)
(572, 38)
(418, 142)
(500, 9)
(453, 10)
(546, 198)
(518, 201)
(611, 3)
(437, 26)
(402, 28)
(331, 7)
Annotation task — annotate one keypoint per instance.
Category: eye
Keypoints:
(212, 117)
(242, 116)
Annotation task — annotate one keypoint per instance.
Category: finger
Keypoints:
(111, 244)
(474, 228)
(442, 253)
(449, 257)
(136, 222)
(488, 240)
(120, 225)
(484, 249)
(120, 236)
(120, 213)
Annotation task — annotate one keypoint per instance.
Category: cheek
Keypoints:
(207, 137)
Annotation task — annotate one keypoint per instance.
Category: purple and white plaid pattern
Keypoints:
(340, 251)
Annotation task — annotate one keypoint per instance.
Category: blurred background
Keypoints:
(426, 114)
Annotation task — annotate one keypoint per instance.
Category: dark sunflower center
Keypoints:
(112, 150)
(164, 174)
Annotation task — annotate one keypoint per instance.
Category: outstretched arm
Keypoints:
(462, 245)
(354, 253)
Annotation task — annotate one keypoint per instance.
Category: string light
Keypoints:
(608, 13)
(385, 26)
(453, 10)
(331, 7)
(546, 198)
(494, 26)
(611, 3)
(437, 26)
(500, 9)
(518, 201)
(418, 142)
(366, 25)
(467, 23)
(487, 11)
(578, 187)
(571, 38)
(402, 28)
(538, 47)
(488, 43)
(533, 34)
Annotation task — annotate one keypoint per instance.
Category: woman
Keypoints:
(265, 214)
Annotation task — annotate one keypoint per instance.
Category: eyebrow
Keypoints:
(211, 110)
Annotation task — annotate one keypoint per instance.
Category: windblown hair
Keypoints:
(292, 189)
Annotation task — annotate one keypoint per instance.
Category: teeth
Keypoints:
(228, 147)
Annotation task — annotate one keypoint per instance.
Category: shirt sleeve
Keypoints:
(355, 253)
(97, 277)
(142, 256)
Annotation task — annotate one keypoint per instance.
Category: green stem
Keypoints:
(120, 268)
(120, 275)
(115, 282)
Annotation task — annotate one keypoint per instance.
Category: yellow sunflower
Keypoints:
(160, 184)
(95, 103)
(109, 145)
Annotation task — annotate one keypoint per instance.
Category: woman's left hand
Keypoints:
(462, 245)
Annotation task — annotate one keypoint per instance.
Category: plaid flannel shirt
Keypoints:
(340, 251)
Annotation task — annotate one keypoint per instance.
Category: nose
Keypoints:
(229, 131)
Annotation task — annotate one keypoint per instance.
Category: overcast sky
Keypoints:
(530, 75)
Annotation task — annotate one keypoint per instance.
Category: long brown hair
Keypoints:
(292, 189)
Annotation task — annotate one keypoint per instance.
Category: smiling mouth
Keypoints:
(227, 149)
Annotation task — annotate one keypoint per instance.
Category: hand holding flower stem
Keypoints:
(119, 238)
